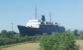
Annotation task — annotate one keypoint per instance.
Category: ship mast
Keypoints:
(35, 11)
(50, 16)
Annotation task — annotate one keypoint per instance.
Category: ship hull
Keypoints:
(36, 31)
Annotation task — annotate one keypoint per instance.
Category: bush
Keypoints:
(58, 41)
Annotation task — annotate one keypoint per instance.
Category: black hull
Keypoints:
(34, 31)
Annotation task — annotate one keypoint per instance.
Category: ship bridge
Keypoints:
(34, 23)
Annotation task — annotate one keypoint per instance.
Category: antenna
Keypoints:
(35, 11)
(12, 26)
(50, 16)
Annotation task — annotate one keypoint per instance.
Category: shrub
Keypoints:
(58, 41)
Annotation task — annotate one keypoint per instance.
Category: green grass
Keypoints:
(32, 46)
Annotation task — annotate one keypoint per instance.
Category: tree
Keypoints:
(11, 34)
(81, 35)
(3, 31)
(76, 32)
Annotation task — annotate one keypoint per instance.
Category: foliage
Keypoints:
(81, 36)
(58, 41)
(76, 32)
(11, 37)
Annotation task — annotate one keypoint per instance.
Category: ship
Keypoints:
(39, 27)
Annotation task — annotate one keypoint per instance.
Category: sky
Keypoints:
(68, 13)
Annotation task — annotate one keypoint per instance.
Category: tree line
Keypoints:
(11, 37)
(55, 41)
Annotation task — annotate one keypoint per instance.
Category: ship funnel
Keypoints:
(43, 19)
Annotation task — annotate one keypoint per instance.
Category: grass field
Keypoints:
(22, 46)
(33, 46)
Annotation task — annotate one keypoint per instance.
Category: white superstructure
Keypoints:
(33, 23)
